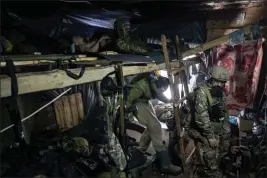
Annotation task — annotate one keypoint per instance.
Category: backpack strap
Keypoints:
(206, 90)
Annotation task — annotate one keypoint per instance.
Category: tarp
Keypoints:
(81, 23)
(191, 31)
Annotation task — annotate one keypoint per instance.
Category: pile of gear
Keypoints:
(60, 155)
(248, 153)
(86, 150)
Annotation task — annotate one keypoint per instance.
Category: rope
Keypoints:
(26, 118)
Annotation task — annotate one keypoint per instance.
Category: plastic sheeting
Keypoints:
(81, 23)
(191, 31)
(75, 23)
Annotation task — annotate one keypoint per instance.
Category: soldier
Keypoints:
(206, 124)
(91, 45)
(18, 43)
(146, 87)
(124, 43)
(5, 45)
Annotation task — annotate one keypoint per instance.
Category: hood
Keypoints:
(121, 29)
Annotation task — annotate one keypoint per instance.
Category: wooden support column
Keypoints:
(183, 73)
(175, 96)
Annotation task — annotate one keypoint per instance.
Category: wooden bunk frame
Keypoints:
(41, 81)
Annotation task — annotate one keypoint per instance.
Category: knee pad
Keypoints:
(211, 154)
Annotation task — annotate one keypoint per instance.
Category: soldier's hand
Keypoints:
(213, 142)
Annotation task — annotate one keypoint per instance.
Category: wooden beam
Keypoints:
(226, 19)
(206, 46)
(36, 61)
(50, 57)
(213, 43)
(40, 81)
(175, 96)
(213, 34)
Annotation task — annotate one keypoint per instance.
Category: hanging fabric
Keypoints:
(244, 64)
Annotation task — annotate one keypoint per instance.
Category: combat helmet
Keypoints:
(220, 73)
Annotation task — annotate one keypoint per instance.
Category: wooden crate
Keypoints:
(69, 111)
(245, 125)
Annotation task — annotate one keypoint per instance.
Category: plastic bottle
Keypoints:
(233, 120)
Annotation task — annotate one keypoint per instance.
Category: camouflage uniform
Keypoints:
(78, 144)
(207, 123)
(124, 43)
(140, 95)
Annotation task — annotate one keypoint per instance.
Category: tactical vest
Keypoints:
(191, 104)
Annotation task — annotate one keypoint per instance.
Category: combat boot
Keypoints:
(165, 165)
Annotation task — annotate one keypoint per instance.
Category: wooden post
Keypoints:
(177, 47)
(183, 73)
(174, 95)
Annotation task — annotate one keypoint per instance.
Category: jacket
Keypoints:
(142, 92)
(206, 112)
(124, 43)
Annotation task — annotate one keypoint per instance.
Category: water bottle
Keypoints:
(72, 48)
(233, 120)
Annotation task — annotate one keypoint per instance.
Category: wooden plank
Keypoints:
(214, 43)
(206, 46)
(50, 57)
(74, 109)
(67, 112)
(86, 59)
(21, 63)
(79, 103)
(95, 62)
(39, 62)
(213, 34)
(226, 19)
(40, 81)
(59, 110)
(175, 96)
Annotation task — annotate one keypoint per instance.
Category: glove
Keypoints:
(213, 142)
(133, 108)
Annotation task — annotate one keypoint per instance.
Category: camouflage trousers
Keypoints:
(211, 157)
(128, 46)
(146, 116)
